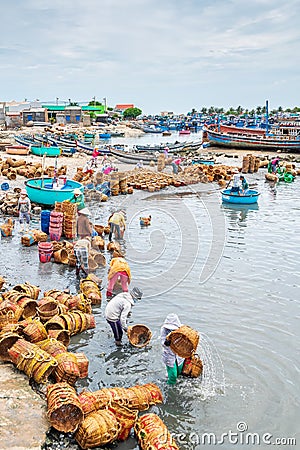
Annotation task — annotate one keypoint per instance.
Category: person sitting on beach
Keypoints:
(82, 250)
(139, 165)
(118, 310)
(78, 199)
(119, 270)
(173, 362)
(245, 186)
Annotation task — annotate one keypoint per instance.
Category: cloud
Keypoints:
(151, 49)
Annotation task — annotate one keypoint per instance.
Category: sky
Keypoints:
(166, 55)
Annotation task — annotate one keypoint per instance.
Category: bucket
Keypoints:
(45, 251)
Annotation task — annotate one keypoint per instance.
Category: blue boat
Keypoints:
(45, 192)
(243, 199)
(104, 135)
(48, 151)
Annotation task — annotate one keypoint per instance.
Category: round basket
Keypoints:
(97, 429)
(184, 341)
(61, 256)
(139, 335)
(7, 340)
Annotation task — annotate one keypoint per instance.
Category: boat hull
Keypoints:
(247, 142)
(17, 150)
(38, 191)
(247, 199)
(48, 151)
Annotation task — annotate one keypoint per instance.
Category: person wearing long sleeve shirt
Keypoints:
(117, 312)
(173, 362)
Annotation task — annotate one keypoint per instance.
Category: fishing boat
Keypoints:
(133, 158)
(177, 146)
(62, 141)
(17, 150)
(48, 151)
(89, 149)
(243, 199)
(46, 191)
(253, 142)
(25, 141)
(104, 135)
(184, 132)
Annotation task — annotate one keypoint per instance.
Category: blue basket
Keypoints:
(4, 186)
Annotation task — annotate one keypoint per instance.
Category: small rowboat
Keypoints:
(243, 199)
(17, 150)
(45, 192)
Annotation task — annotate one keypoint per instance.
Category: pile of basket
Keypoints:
(114, 183)
(9, 203)
(250, 164)
(55, 226)
(12, 167)
(91, 290)
(123, 182)
(70, 218)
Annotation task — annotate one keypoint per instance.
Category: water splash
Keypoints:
(213, 377)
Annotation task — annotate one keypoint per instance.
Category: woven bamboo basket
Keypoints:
(52, 346)
(10, 312)
(139, 335)
(82, 321)
(64, 409)
(81, 303)
(62, 336)
(91, 291)
(55, 323)
(126, 418)
(192, 367)
(153, 434)
(67, 369)
(32, 360)
(92, 264)
(35, 331)
(29, 307)
(83, 364)
(93, 401)
(99, 259)
(97, 429)
(69, 321)
(7, 340)
(99, 229)
(29, 289)
(98, 243)
(47, 309)
(61, 256)
(184, 341)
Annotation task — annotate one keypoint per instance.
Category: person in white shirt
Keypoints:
(117, 312)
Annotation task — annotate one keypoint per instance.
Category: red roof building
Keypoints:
(122, 108)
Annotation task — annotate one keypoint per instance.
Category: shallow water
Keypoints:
(232, 273)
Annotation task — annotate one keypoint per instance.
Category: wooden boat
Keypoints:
(62, 141)
(89, 149)
(45, 192)
(184, 132)
(253, 142)
(133, 158)
(166, 133)
(243, 199)
(26, 141)
(104, 135)
(177, 146)
(17, 150)
(48, 151)
(117, 134)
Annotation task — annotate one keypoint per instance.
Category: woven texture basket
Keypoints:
(7, 340)
(98, 428)
(35, 331)
(67, 369)
(153, 434)
(192, 366)
(64, 409)
(139, 335)
(184, 341)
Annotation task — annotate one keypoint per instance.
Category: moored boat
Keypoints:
(250, 197)
(48, 151)
(17, 150)
(246, 141)
(133, 158)
(46, 192)
(89, 149)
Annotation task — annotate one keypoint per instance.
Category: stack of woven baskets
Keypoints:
(90, 289)
(56, 225)
(70, 218)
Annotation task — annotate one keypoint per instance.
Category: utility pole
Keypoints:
(104, 99)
